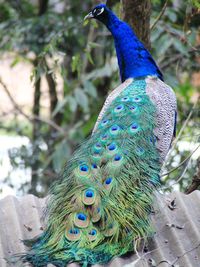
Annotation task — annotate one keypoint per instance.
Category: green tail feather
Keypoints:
(102, 203)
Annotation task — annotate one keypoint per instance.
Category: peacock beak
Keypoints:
(89, 16)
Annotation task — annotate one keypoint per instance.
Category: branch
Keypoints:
(159, 16)
(179, 57)
(57, 118)
(43, 5)
(16, 106)
(195, 181)
(187, 161)
(30, 118)
(49, 122)
(181, 131)
(183, 162)
(185, 124)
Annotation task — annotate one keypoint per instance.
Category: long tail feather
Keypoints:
(102, 202)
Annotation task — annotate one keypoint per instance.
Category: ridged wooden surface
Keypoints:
(176, 241)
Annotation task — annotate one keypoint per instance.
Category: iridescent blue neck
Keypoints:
(133, 58)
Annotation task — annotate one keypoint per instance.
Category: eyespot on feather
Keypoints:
(133, 109)
(88, 196)
(112, 147)
(73, 234)
(116, 162)
(92, 234)
(117, 157)
(114, 130)
(125, 99)
(134, 128)
(81, 220)
(104, 138)
(83, 170)
(108, 183)
(137, 99)
(94, 166)
(104, 122)
(119, 108)
(97, 148)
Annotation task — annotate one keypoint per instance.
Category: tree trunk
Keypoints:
(137, 14)
(35, 134)
(53, 98)
(43, 5)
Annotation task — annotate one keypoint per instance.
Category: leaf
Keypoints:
(72, 103)
(81, 99)
(89, 56)
(86, 128)
(106, 71)
(61, 154)
(156, 34)
(85, 22)
(94, 45)
(172, 15)
(90, 88)
(94, 23)
(195, 3)
(15, 62)
(180, 47)
(163, 43)
(60, 106)
(75, 63)
(171, 79)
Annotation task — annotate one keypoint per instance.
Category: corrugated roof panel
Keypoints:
(176, 241)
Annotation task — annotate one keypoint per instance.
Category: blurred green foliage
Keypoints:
(54, 39)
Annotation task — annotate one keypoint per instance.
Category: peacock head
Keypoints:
(99, 12)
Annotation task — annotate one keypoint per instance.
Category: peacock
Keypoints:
(100, 207)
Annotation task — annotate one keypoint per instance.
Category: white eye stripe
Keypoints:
(97, 12)
(101, 11)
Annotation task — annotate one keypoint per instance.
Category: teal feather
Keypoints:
(120, 184)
